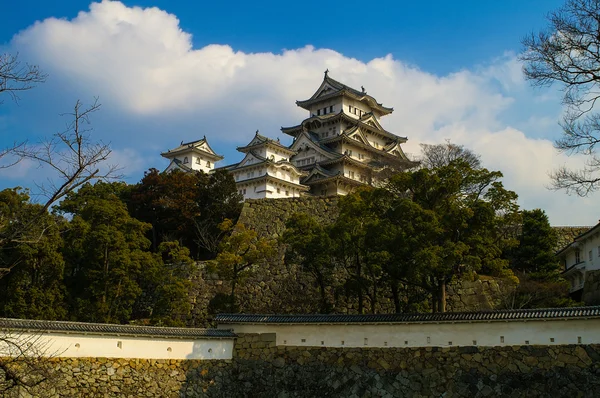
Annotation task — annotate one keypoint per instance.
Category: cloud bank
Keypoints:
(163, 90)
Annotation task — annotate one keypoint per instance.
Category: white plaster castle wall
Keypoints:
(83, 345)
(349, 102)
(431, 334)
(325, 107)
(589, 259)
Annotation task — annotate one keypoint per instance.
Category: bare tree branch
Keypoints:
(568, 53)
(16, 76)
(73, 156)
(24, 364)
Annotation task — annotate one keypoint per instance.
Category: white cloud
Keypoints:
(141, 62)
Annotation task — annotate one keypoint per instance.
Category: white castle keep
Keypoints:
(340, 146)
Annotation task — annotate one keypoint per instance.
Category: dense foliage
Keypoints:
(112, 252)
(409, 239)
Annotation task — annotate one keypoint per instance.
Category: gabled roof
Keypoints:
(319, 178)
(262, 162)
(199, 146)
(479, 316)
(260, 140)
(31, 325)
(313, 142)
(178, 164)
(273, 178)
(331, 88)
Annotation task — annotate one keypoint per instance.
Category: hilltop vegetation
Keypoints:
(112, 252)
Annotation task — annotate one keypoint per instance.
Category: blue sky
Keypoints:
(167, 71)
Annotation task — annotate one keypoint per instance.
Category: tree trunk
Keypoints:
(396, 297)
(442, 297)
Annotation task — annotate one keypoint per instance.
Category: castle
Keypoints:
(340, 146)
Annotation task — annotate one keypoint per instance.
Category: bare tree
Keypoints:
(438, 155)
(568, 53)
(16, 76)
(24, 364)
(72, 155)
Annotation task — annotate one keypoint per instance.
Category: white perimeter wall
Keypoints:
(431, 334)
(80, 345)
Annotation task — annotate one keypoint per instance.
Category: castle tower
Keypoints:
(342, 145)
(192, 156)
(265, 171)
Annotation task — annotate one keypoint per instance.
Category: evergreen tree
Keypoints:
(35, 288)
(535, 253)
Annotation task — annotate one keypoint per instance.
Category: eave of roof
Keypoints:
(543, 314)
(342, 89)
(269, 142)
(39, 326)
(332, 178)
(174, 152)
(270, 177)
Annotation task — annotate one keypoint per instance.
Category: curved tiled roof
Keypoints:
(106, 328)
(481, 316)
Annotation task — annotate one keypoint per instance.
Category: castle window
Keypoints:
(590, 255)
(278, 190)
(244, 191)
(331, 108)
(198, 160)
(185, 160)
(287, 193)
(325, 111)
(350, 108)
(318, 112)
(577, 256)
(351, 174)
(208, 163)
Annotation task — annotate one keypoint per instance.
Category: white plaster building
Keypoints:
(195, 155)
(340, 146)
(579, 257)
(78, 339)
(266, 171)
(544, 326)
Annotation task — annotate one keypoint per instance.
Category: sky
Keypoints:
(172, 71)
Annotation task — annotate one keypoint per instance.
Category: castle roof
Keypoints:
(367, 121)
(39, 326)
(331, 88)
(260, 141)
(199, 146)
(479, 316)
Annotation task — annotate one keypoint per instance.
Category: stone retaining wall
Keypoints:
(260, 369)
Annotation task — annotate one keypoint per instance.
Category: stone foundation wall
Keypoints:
(260, 369)
(284, 289)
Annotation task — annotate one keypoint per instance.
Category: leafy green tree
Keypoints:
(534, 254)
(105, 255)
(468, 208)
(352, 234)
(35, 289)
(239, 253)
(165, 285)
(187, 207)
(309, 244)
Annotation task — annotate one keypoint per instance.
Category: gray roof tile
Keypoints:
(105, 328)
(481, 316)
